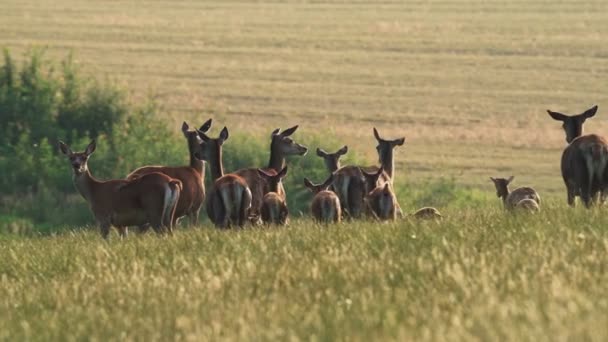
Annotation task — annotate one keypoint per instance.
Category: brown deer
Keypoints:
(332, 160)
(149, 199)
(274, 209)
(192, 176)
(281, 145)
(584, 160)
(229, 199)
(325, 206)
(349, 181)
(512, 199)
(428, 213)
(381, 203)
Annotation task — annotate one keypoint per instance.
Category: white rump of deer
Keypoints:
(274, 208)
(325, 205)
(192, 176)
(521, 198)
(149, 199)
(229, 199)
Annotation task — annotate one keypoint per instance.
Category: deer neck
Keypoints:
(85, 184)
(197, 164)
(504, 196)
(388, 163)
(277, 160)
(216, 165)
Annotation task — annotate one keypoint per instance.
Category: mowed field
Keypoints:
(466, 82)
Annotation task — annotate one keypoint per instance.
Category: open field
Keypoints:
(466, 82)
(479, 275)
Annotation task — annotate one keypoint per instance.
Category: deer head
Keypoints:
(385, 147)
(78, 160)
(502, 186)
(192, 136)
(284, 145)
(371, 179)
(273, 178)
(332, 160)
(573, 124)
(316, 188)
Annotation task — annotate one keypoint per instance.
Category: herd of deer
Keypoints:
(158, 196)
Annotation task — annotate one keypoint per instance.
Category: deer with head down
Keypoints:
(281, 146)
(192, 176)
(350, 184)
(229, 199)
(517, 199)
(274, 208)
(584, 160)
(149, 199)
(325, 206)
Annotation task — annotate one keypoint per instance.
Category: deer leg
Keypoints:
(104, 228)
(143, 228)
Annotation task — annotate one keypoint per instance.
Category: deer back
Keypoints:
(584, 162)
(258, 186)
(228, 200)
(325, 207)
(274, 209)
(520, 194)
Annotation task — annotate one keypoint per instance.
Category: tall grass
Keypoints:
(479, 274)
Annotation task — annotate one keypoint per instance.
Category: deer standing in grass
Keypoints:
(517, 199)
(349, 182)
(380, 202)
(149, 199)
(325, 206)
(229, 199)
(192, 176)
(274, 209)
(281, 145)
(584, 161)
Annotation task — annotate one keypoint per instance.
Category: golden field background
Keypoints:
(466, 82)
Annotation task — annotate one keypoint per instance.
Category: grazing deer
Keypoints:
(192, 176)
(428, 213)
(349, 182)
(274, 209)
(332, 160)
(584, 160)
(149, 199)
(325, 206)
(281, 145)
(511, 199)
(229, 199)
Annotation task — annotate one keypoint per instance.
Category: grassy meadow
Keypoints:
(467, 82)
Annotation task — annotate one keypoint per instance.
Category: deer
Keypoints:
(332, 160)
(380, 201)
(274, 209)
(325, 206)
(584, 160)
(229, 200)
(350, 184)
(512, 199)
(149, 199)
(281, 145)
(192, 176)
(428, 213)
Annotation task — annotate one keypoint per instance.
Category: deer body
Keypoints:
(381, 203)
(150, 199)
(281, 146)
(229, 199)
(512, 199)
(274, 208)
(325, 206)
(427, 213)
(584, 161)
(351, 186)
(192, 176)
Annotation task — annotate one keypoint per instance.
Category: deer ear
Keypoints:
(308, 184)
(205, 127)
(376, 135)
(400, 141)
(202, 135)
(590, 112)
(65, 149)
(91, 148)
(265, 174)
(283, 172)
(185, 127)
(343, 150)
(275, 132)
(289, 131)
(386, 187)
(492, 179)
(224, 135)
(510, 179)
(321, 153)
(557, 116)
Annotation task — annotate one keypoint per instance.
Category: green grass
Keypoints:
(479, 274)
